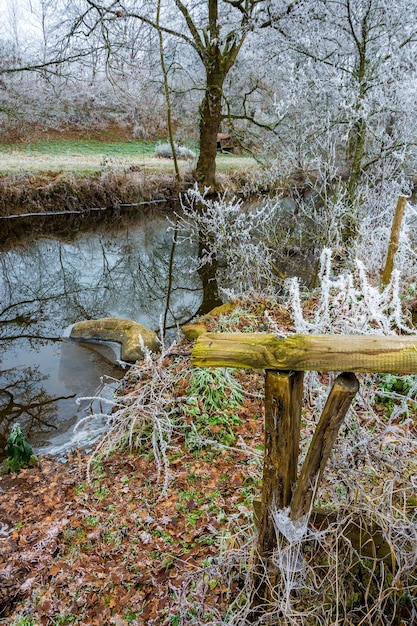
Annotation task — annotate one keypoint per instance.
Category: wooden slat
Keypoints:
(338, 353)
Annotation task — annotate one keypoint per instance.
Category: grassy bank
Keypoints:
(90, 157)
(78, 176)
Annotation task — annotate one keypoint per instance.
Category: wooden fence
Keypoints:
(285, 360)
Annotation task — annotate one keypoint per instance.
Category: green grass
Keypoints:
(80, 157)
(57, 147)
(92, 156)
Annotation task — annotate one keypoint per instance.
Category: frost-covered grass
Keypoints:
(86, 157)
(83, 157)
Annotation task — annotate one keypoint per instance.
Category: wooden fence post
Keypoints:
(285, 360)
(283, 400)
(394, 239)
(337, 405)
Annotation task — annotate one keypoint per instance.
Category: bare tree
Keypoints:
(353, 65)
(214, 31)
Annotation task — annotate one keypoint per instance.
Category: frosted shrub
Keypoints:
(145, 414)
(349, 303)
(321, 212)
(374, 233)
(164, 151)
(233, 236)
(311, 214)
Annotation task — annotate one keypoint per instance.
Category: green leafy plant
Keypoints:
(101, 493)
(216, 389)
(212, 396)
(397, 384)
(396, 393)
(130, 616)
(62, 620)
(19, 452)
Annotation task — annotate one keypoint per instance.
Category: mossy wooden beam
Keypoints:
(340, 353)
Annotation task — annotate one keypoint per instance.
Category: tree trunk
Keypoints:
(350, 227)
(167, 94)
(207, 273)
(211, 116)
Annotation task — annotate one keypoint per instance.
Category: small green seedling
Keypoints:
(19, 452)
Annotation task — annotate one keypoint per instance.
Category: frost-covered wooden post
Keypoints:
(283, 399)
(338, 402)
(283, 402)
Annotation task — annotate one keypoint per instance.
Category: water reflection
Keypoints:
(131, 271)
(23, 396)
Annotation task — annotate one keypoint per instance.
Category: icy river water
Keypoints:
(128, 269)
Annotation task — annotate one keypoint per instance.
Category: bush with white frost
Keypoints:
(349, 303)
(256, 246)
(164, 151)
(234, 236)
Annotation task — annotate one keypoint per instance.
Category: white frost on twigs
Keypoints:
(349, 303)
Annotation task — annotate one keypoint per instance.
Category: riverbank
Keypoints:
(51, 193)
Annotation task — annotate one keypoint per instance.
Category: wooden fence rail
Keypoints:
(329, 353)
(285, 360)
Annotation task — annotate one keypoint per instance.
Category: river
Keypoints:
(125, 268)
